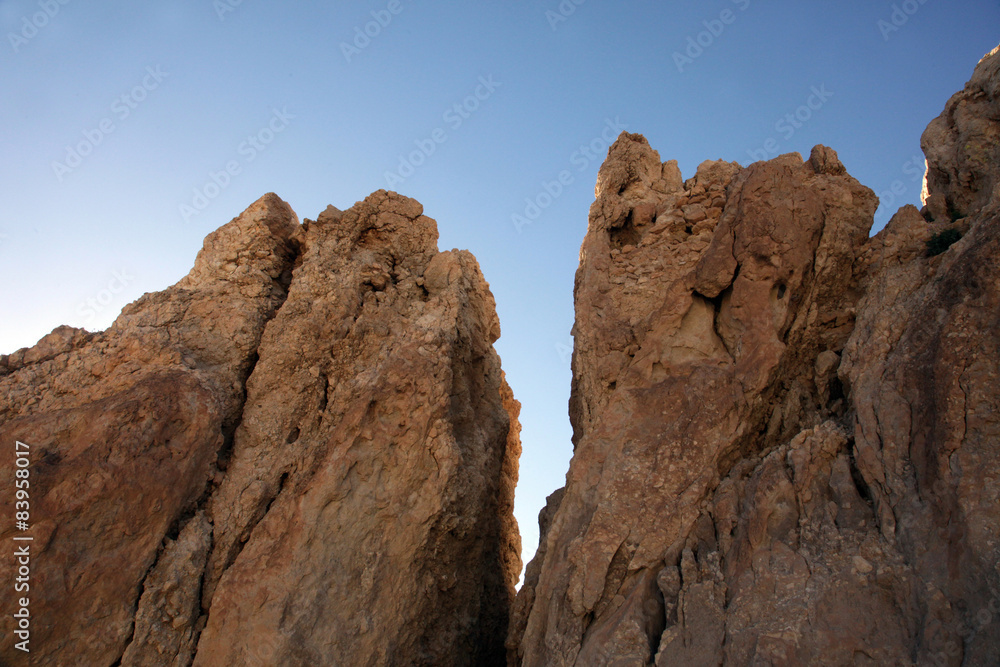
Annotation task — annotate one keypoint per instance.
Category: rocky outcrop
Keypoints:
(962, 146)
(923, 369)
(371, 486)
(125, 427)
(302, 453)
(785, 432)
(305, 452)
(703, 309)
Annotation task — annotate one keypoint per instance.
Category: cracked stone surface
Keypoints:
(924, 371)
(962, 146)
(371, 484)
(303, 453)
(702, 308)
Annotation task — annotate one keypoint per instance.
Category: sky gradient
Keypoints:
(132, 130)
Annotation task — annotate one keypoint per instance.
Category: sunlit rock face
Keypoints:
(305, 452)
(787, 442)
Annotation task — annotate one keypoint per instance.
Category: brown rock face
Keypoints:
(697, 340)
(125, 426)
(302, 453)
(962, 146)
(924, 371)
(366, 517)
(787, 436)
(786, 432)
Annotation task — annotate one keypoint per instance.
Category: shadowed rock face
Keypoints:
(367, 512)
(923, 367)
(786, 433)
(303, 453)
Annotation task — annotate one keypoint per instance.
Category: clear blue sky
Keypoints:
(169, 93)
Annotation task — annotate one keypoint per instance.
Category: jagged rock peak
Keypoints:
(710, 316)
(785, 432)
(304, 452)
(255, 244)
(962, 146)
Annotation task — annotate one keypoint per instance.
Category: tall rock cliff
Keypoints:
(787, 435)
(304, 452)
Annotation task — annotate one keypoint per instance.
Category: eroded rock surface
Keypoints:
(367, 512)
(786, 433)
(962, 146)
(923, 368)
(303, 453)
(702, 309)
(787, 441)
(125, 428)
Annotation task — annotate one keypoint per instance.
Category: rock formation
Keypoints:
(787, 436)
(923, 368)
(303, 453)
(786, 433)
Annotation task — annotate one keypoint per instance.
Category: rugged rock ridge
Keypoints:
(785, 432)
(962, 146)
(391, 504)
(303, 453)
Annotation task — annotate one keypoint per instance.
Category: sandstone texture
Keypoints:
(304, 452)
(787, 435)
